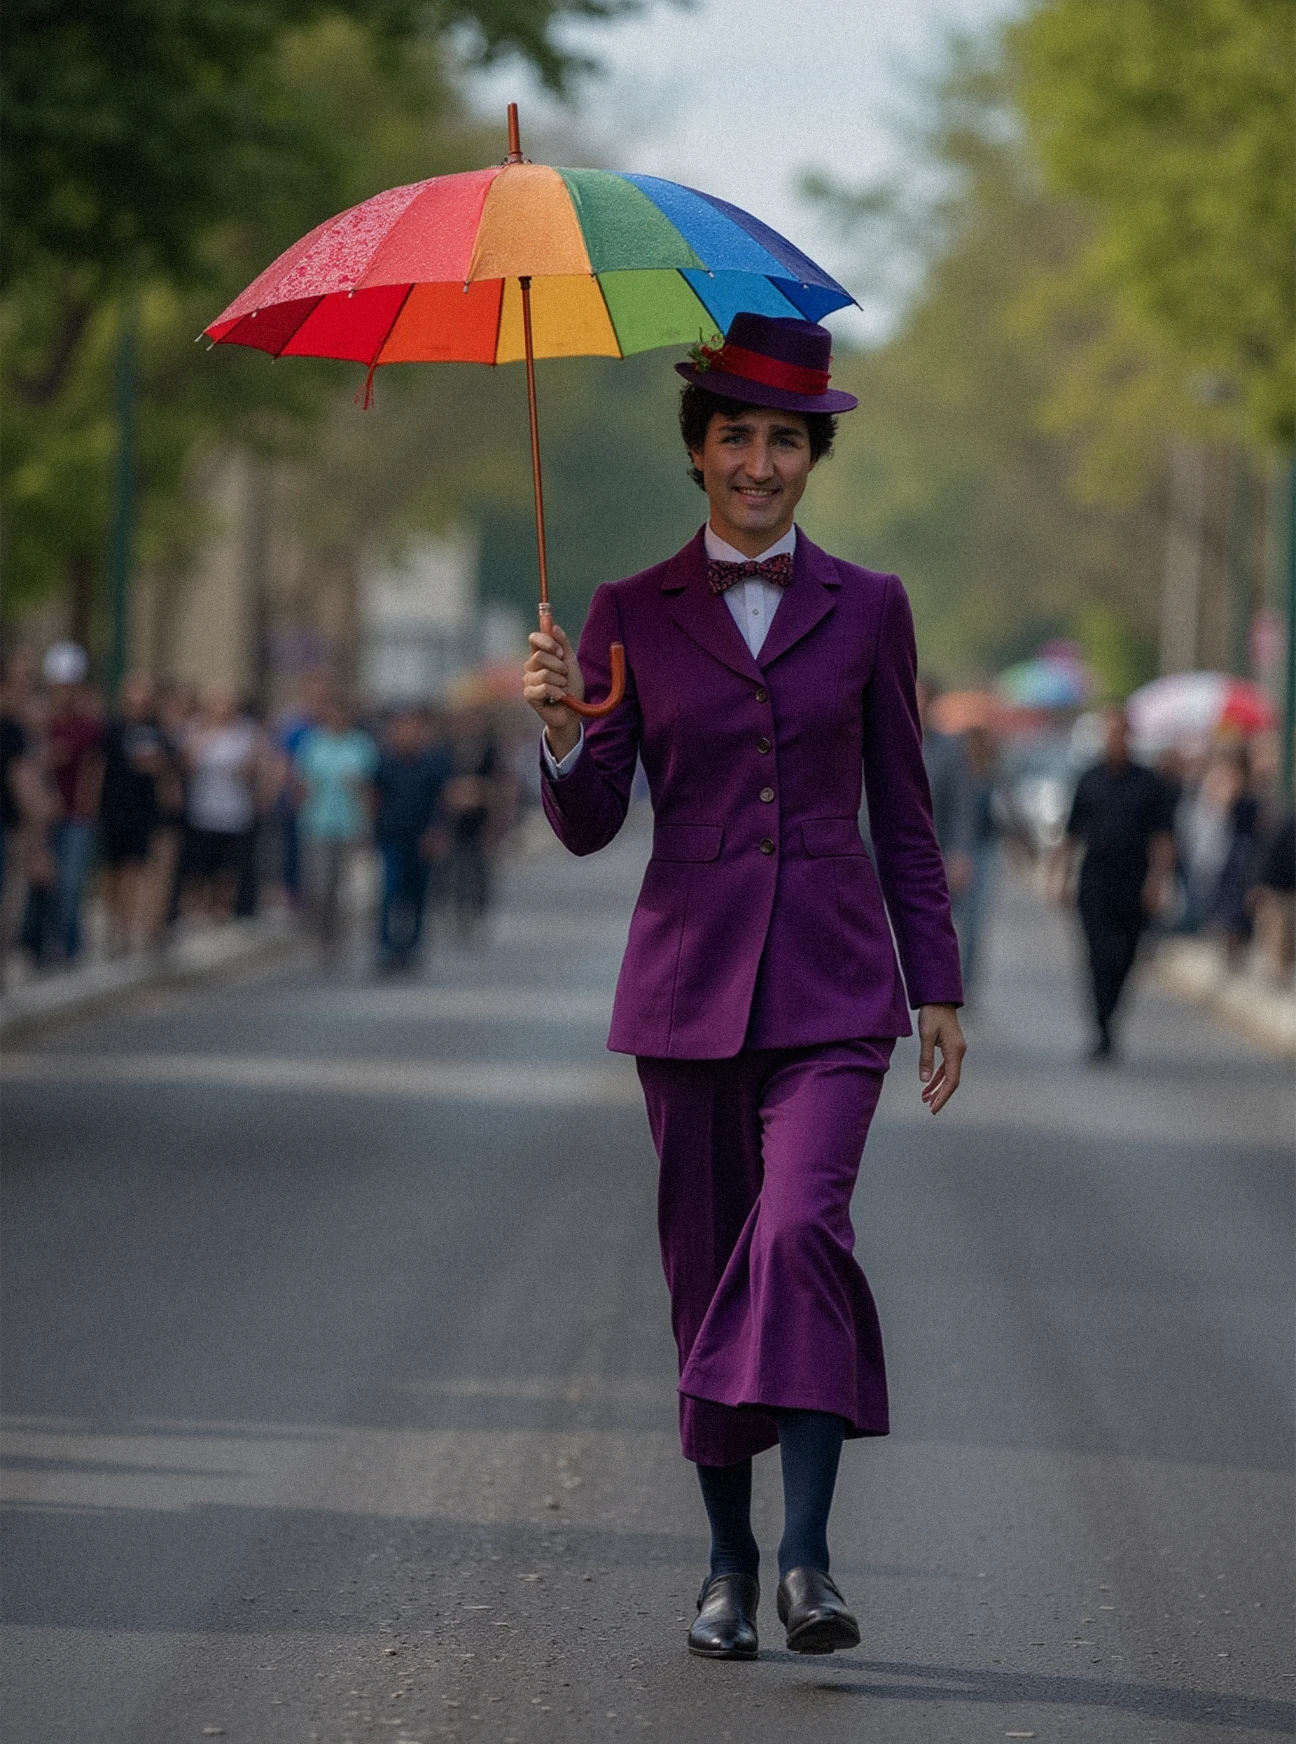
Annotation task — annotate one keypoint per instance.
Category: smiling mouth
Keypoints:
(754, 495)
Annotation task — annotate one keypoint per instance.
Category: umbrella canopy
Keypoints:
(430, 272)
(1189, 707)
(523, 261)
(1046, 682)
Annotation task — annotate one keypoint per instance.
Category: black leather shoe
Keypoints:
(726, 1619)
(814, 1613)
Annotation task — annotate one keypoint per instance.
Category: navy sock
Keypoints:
(726, 1492)
(810, 1445)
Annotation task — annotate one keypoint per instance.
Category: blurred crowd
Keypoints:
(178, 808)
(1192, 839)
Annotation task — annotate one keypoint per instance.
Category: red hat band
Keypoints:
(771, 372)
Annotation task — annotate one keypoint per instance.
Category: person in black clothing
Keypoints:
(128, 810)
(407, 787)
(470, 798)
(1122, 819)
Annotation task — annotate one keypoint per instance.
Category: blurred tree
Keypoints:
(945, 474)
(166, 152)
(131, 127)
(1173, 124)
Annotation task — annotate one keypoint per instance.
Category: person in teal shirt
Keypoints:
(334, 765)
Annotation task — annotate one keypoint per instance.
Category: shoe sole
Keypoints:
(723, 1653)
(824, 1635)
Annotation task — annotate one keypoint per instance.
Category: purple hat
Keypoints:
(770, 361)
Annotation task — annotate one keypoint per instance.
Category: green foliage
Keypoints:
(133, 126)
(945, 474)
(1173, 124)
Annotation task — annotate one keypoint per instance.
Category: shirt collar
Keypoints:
(722, 552)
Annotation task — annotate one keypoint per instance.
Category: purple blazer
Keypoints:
(761, 922)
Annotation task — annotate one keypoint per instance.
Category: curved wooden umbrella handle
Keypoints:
(594, 711)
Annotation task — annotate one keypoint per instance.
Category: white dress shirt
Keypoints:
(752, 604)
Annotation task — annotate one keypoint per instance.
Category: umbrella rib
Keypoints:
(289, 337)
(391, 326)
(499, 319)
(607, 311)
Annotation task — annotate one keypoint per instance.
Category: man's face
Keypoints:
(1117, 736)
(406, 735)
(754, 465)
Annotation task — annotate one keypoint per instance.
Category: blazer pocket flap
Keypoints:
(687, 841)
(825, 836)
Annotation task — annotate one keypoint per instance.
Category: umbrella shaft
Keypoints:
(536, 481)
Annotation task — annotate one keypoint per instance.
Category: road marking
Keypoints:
(457, 1004)
(610, 1086)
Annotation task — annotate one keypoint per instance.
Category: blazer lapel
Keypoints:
(812, 595)
(703, 615)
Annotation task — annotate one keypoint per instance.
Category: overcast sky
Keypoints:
(742, 97)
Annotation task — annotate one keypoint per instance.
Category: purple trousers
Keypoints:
(759, 1155)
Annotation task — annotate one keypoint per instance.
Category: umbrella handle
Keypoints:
(594, 711)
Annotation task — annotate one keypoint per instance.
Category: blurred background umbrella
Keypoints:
(958, 711)
(1056, 678)
(1190, 707)
(521, 261)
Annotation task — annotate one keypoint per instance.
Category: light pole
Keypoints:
(121, 539)
(1289, 668)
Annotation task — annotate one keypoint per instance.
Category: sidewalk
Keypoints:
(1248, 1000)
(196, 953)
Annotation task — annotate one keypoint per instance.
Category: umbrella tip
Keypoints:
(514, 136)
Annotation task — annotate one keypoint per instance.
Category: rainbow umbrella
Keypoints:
(521, 261)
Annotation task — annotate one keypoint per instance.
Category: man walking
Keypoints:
(760, 989)
(1122, 820)
(409, 831)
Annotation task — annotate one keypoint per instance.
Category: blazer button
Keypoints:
(763, 745)
(767, 846)
(762, 695)
(767, 795)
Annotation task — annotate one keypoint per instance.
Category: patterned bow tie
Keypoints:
(723, 576)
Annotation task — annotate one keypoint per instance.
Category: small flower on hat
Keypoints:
(704, 356)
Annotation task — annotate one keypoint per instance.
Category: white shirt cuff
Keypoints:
(558, 770)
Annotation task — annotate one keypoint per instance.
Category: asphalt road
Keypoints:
(339, 1389)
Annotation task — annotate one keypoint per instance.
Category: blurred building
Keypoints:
(419, 619)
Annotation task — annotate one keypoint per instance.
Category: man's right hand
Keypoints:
(552, 672)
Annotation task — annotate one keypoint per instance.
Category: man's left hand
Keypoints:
(939, 1029)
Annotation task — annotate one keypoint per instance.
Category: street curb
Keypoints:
(203, 956)
(1265, 1014)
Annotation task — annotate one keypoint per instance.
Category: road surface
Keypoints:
(339, 1388)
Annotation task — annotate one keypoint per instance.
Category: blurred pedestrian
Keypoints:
(40, 932)
(471, 800)
(1122, 823)
(334, 765)
(970, 908)
(133, 754)
(307, 711)
(950, 781)
(175, 714)
(1204, 836)
(1229, 914)
(1273, 899)
(222, 755)
(21, 814)
(410, 831)
(74, 739)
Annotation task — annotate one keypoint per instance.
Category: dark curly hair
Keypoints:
(698, 407)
